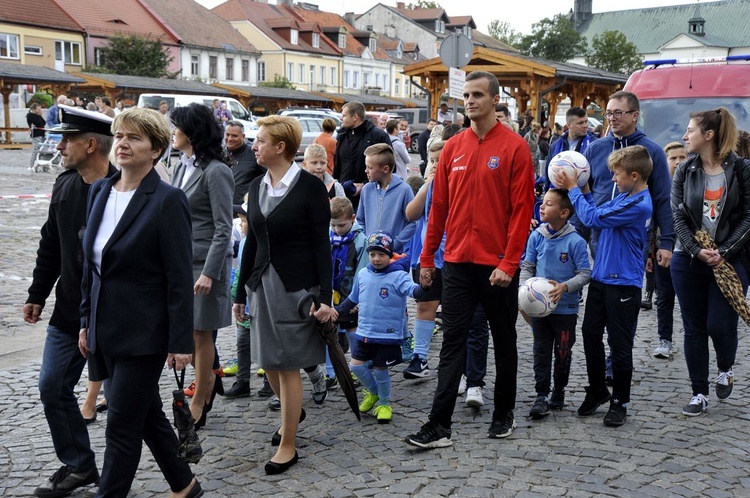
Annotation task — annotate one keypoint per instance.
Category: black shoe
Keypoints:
(540, 408)
(503, 426)
(196, 491)
(276, 438)
(274, 404)
(63, 482)
(90, 420)
(332, 383)
(238, 390)
(431, 435)
(557, 400)
(101, 407)
(265, 390)
(616, 415)
(593, 400)
(273, 468)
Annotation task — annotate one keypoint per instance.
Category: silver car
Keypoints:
(311, 128)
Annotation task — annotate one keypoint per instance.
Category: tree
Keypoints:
(135, 55)
(501, 30)
(554, 39)
(612, 51)
(278, 82)
(423, 4)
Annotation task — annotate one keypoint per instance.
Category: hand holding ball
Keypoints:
(533, 297)
(573, 163)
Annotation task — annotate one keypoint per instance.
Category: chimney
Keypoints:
(349, 17)
(582, 11)
(400, 5)
(289, 3)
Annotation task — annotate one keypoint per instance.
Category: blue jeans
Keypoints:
(62, 365)
(705, 314)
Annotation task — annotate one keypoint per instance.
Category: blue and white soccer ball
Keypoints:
(573, 163)
(533, 297)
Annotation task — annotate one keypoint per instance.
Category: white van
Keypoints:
(239, 113)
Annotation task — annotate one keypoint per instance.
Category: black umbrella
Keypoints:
(190, 450)
(329, 335)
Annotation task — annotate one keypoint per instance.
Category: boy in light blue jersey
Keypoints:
(380, 291)
(555, 251)
(615, 291)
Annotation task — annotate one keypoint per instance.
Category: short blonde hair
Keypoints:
(632, 159)
(284, 129)
(147, 122)
(315, 150)
(341, 207)
(383, 154)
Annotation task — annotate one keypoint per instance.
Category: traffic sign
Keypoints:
(456, 50)
(456, 80)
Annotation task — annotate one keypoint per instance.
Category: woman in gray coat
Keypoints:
(209, 186)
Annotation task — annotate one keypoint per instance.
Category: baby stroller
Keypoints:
(48, 158)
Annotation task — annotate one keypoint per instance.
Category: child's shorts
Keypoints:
(382, 355)
(436, 289)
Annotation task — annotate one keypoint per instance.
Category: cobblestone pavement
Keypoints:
(658, 452)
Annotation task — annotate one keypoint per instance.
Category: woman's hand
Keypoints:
(711, 257)
(202, 285)
(83, 337)
(178, 361)
(239, 312)
(323, 314)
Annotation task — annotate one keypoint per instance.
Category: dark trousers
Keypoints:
(135, 416)
(664, 302)
(477, 345)
(614, 307)
(553, 333)
(705, 314)
(464, 286)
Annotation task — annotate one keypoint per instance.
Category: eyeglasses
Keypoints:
(616, 114)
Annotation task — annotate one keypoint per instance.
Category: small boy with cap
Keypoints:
(380, 291)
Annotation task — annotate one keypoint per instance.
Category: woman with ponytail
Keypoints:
(710, 192)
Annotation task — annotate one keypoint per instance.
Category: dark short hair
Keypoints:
(502, 108)
(107, 101)
(575, 111)
(237, 124)
(562, 196)
(491, 80)
(630, 98)
(391, 126)
(357, 108)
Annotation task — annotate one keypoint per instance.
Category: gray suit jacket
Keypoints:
(209, 191)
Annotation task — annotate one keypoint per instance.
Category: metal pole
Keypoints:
(455, 61)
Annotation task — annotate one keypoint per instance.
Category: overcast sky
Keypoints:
(521, 15)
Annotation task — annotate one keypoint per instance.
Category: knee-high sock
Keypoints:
(422, 336)
(383, 378)
(366, 377)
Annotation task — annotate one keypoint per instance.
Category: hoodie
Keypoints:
(659, 183)
(385, 209)
(561, 256)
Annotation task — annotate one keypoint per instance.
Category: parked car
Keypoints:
(320, 113)
(417, 118)
(311, 128)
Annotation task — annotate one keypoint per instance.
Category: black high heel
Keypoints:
(276, 438)
(277, 468)
(218, 389)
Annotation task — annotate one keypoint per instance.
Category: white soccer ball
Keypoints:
(533, 297)
(573, 163)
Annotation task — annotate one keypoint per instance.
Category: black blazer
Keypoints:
(142, 302)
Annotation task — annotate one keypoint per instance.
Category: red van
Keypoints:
(669, 90)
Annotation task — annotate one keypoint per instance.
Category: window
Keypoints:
(355, 80)
(245, 70)
(407, 88)
(32, 50)
(261, 71)
(367, 79)
(377, 80)
(230, 69)
(9, 46)
(312, 75)
(347, 79)
(212, 62)
(195, 65)
(98, 57)
(373, 44)
(439, 26)
(316, 40)
(397, 85)
(301, 73)
(322, 75)
(68, 52)
(334, 79)
(290, 71)
(295, 37)
(385, 83)
(467, 31)
(342, 40)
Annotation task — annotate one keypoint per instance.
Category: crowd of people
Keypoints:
(360, 231)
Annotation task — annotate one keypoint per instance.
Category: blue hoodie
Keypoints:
(659, 183)
(386, 210)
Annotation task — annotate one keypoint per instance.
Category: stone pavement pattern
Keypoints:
(659, 452)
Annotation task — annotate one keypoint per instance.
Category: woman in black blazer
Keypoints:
(137, 308)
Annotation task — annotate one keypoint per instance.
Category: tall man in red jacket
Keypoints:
(483, 199)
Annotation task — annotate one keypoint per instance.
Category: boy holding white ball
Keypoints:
(555, 251)
(615, 292)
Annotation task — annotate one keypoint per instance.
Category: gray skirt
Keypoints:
(279, 339)
(213, 311)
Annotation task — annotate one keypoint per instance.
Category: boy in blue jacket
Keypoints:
(555, 251)
(380, 291)
(615, 291)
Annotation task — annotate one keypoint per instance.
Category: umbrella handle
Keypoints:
(302, 306)
(181, 379)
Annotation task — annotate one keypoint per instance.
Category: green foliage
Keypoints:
(501, 30)
(612, 51)
(42, 98)
(423, 4)
(553, 39)
(278, 82)
(135, 55)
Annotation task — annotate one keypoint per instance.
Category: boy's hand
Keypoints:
(556, 293)
(561, 179)
(649, 265)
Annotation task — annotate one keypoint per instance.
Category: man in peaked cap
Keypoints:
(85, 146)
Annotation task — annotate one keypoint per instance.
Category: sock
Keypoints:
(422, 336)
(352, 336)
(366, 377)
(329, 366)
(316, 374)
(383, 378)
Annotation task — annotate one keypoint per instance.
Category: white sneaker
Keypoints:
(697, 406)
(474, 397)
(462, 385)
(664, 349)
